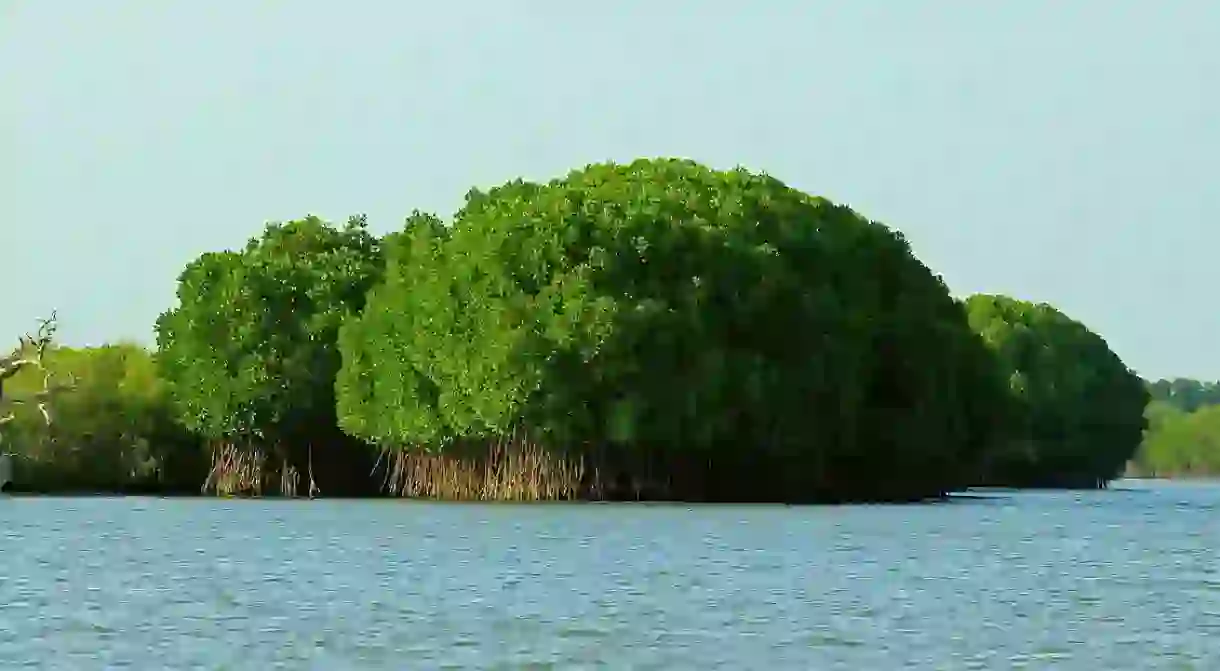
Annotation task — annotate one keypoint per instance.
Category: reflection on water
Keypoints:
(1124, 579)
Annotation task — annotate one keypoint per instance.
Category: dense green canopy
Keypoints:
(1081, 410)
(747, 339)
(250, 353)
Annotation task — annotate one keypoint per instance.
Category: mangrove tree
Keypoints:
(249, 356)
(1080, 410)
(668, 330)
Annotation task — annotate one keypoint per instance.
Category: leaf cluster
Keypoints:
(250, 349)
(1180, 443)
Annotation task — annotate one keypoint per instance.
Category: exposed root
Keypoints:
(511, 469)
(313, 484)
(249, 470)
(236, 471)
(289, 479)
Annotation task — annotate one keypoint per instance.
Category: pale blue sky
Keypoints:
(1066, 152)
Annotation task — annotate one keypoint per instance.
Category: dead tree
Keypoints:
(31, 350)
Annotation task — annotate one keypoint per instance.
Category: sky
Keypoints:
(1058, 152)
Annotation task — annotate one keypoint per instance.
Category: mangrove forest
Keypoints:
(655, 330)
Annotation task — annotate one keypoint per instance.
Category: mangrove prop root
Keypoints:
(313, 485)
(235, 471)
(242, 470)
(512, 469)
(289, 478)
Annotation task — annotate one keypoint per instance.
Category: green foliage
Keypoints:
(250, 353)
(113, 432)
(382, 357)
(1180, 443)
(687, 315)
(1081, 410)
(250, 346)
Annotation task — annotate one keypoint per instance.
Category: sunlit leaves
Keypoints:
(1181, 443)
(250, 348)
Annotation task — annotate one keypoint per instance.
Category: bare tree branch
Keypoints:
(39, 342)
(29, 354)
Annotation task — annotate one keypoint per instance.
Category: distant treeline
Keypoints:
(651, 330)
(1185, 394)
(1183, 437)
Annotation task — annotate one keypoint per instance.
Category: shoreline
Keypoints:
(973, 493)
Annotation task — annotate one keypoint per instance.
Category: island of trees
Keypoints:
(653, 330)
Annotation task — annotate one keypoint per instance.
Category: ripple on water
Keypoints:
(1125, 579)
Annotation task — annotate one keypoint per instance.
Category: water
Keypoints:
(1124, 579)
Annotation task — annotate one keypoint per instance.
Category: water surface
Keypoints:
(1122, 579)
